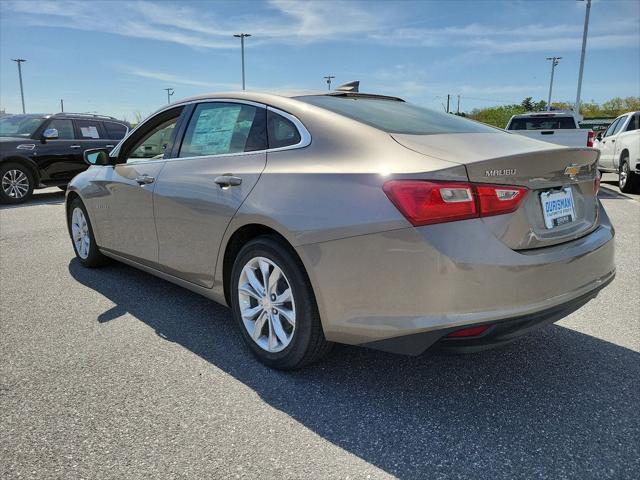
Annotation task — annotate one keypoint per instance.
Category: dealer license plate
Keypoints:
(558, 207)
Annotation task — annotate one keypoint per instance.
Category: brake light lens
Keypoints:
(499, 199)
(428, 202)
(425, 203)
(590, 137)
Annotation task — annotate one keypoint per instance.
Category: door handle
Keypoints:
(613, 141)
(228, 180)
(145, 179)
(74, 146)
(109, 146)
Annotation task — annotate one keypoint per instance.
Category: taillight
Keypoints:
(424, 203)
(499, 199)
(428, 202)
(590, 137)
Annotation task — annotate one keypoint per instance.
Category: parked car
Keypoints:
(619, 149)
(39, 150)
(351, 218)
(557, 126)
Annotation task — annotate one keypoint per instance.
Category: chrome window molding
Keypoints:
(305, 136)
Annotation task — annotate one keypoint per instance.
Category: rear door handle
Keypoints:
(109, 146)
(145, 179)
(228, 180)
(74, 146)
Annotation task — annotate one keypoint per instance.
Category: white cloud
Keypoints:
(171, 79)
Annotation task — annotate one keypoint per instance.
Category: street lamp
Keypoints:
(242, 36)
(328, 78)
(584, 48)
(19, 61)
(170, 92)
(554, 61)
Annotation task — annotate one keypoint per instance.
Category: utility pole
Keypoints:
(584, 49)
(328, 78)
(448, 99)
(554, 62)
(19, 61)
(62, 105)
(458, 109)
(170, 91)
(242, 36)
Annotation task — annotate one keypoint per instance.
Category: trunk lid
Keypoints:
(547, 170)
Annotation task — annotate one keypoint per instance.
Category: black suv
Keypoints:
(39, 151)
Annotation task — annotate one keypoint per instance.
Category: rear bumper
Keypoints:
(375, 289)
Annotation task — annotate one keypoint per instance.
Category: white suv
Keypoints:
(619, 149)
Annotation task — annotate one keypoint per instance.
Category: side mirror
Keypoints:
(599, 136)
(97, 156)
(50, 134)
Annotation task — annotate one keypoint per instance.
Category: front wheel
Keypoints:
(628, 180)
(82, 238)
(16, 183)
(274, 305)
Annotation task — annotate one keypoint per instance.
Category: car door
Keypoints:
(128, 187)
(622, 136)
(607, 144)
(57, 158)
(221, 157)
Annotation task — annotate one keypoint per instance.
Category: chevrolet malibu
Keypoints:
(349, 217)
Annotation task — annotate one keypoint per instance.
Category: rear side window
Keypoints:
(115, 131)
(282, 132)
(224, 128)
(634, 123)
(88, 129)
(64, 127)
(542, 123)
(395, 116)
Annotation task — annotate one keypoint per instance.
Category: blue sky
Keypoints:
(116, 57)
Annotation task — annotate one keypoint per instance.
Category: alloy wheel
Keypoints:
(15, 184)
(80, 233)
(266, 304)
(624, 175)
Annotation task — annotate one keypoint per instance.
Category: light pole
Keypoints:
(584, 49)
(170, 92)
(242, 36)
(328, 78)
(554, 61)
(19, 61)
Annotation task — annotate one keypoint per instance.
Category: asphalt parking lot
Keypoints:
(113, 373)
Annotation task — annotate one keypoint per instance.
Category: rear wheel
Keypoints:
(628, 180)
(274, 306)
(82, 238)
(16, 183)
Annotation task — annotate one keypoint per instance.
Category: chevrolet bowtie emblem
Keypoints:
(572, 170)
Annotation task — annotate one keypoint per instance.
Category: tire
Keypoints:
(279, 343)
(16, 183)
(628, 180)
(86, 250)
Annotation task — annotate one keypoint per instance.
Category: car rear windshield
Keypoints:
(542, 123)
(19, 125)
(395, 116)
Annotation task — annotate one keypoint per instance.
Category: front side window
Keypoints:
(619, 126)
(153, 145)
(88, 130)
(19, 125)
(612, 127)
(282, 132)
(224, 128)
(395, 116)
(64, 127)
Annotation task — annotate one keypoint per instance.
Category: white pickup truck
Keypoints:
(619, 149)
(556, 126)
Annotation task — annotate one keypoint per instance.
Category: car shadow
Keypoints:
(39, 198)
(557, 403)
